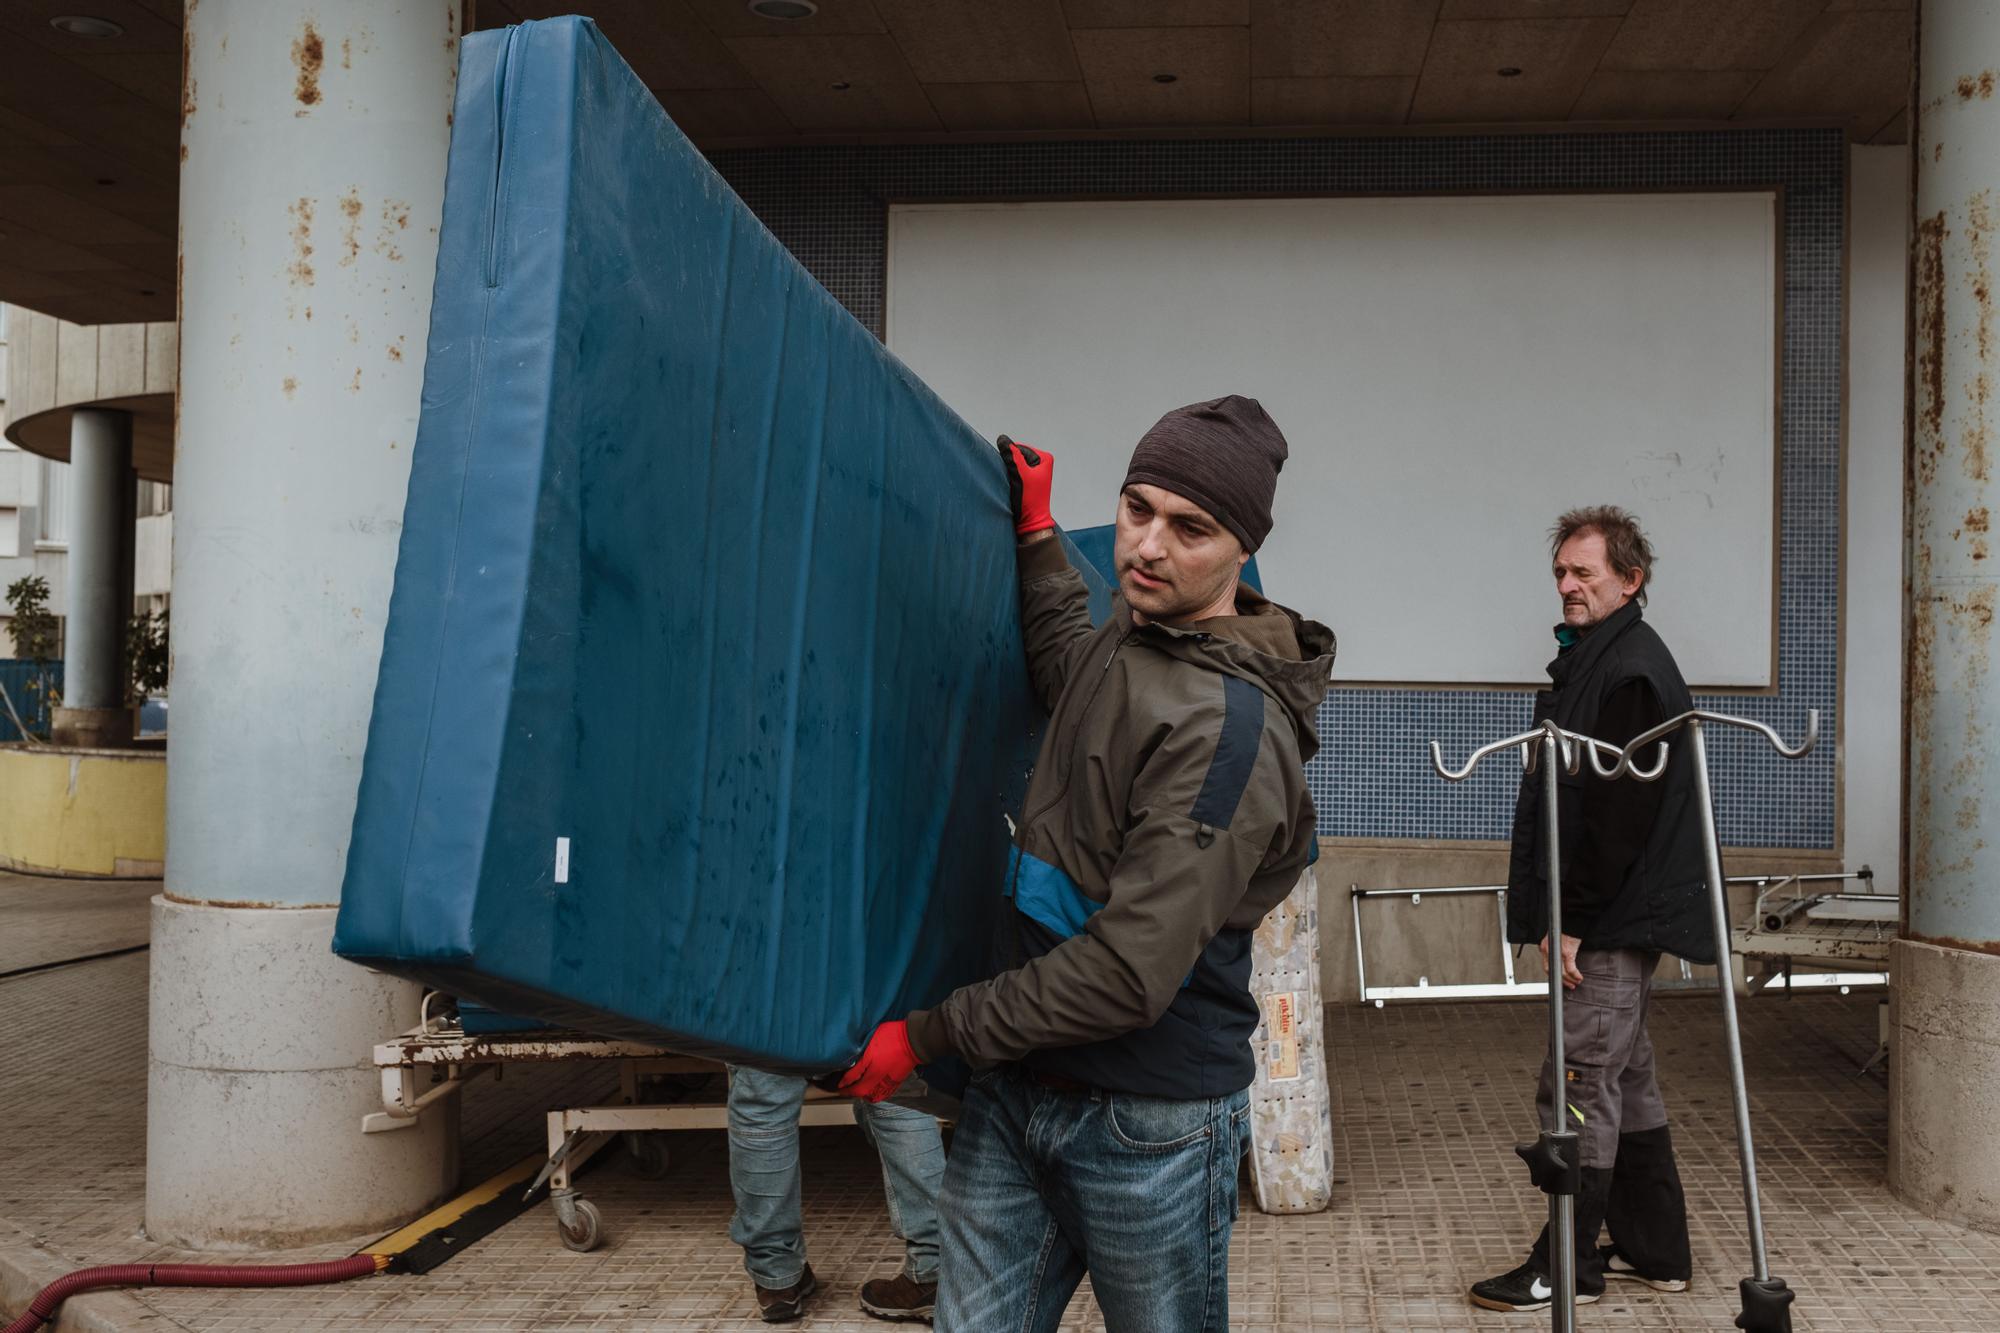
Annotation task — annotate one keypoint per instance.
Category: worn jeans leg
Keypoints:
(764, 1174)
(1149, 1184)
(912, 1152)
(1005, 1265)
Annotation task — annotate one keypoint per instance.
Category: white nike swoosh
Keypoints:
(1540, 1290)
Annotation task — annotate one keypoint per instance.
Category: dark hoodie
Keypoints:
(1167, 814)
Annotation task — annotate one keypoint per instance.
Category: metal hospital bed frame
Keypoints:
(1794, 923)
(1790, 924)
(437, 1058)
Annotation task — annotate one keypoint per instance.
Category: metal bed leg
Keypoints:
(578, 1222)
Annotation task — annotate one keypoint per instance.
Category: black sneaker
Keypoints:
(899, 1297)
(1522, 1290)
(781, 1305)
(1618, 1266)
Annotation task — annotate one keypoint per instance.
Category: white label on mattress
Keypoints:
(562, 860)
(1281, 1029)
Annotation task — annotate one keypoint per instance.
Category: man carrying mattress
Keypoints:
(1167, 814)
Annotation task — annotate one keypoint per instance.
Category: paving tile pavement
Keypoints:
(45, 920)
(1430, 1198)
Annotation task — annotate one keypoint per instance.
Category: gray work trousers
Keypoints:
(1610, 1088)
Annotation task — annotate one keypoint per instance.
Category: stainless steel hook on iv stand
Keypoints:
(1553, 1158)
(1767, 1302)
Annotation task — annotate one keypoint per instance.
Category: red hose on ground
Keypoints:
(50, 1298)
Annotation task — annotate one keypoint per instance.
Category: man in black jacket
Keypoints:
(1632, 888)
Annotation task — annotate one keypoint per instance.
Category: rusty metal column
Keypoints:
(1944, 1138)
(312, 180)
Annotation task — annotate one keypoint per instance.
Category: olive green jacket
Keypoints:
(1167, 813)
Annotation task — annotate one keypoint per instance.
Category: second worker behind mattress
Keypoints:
(1633, 887)
(1167, 813)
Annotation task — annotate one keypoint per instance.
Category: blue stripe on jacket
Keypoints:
(1046, 895)
(1051, 899)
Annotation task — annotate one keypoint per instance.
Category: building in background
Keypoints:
(51, 369)
(270, 265)
(24, 547)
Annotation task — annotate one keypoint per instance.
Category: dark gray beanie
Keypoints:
(1224, 454)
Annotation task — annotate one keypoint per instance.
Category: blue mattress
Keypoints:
(702, 698)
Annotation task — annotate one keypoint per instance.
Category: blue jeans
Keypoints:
(1043, 1186)
(764, 1176)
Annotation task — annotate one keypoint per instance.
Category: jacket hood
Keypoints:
(1273, 647)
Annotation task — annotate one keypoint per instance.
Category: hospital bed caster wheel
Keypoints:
(649, 1154)
(583, 1231)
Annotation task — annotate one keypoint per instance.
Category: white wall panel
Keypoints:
(1872, 635)
(1450, 371)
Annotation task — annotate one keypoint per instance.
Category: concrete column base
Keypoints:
(91, 728)
(259, 1077)
(1944, 1082)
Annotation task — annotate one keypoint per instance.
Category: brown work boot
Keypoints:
(781, 1305)
(899, 1297)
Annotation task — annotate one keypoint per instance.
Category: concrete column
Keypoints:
(101, 492)
(1944, 1138)
(312, 177)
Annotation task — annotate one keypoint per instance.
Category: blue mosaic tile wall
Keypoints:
(1373, 777)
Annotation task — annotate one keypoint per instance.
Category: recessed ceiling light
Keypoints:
(1511, 72)
(786, 10)
(84, 25)
(1165, 78)
(841, 85)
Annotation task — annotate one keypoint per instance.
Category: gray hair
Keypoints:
(1625, 546)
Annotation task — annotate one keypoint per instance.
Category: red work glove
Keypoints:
(1029, 473)
(885, 1062)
